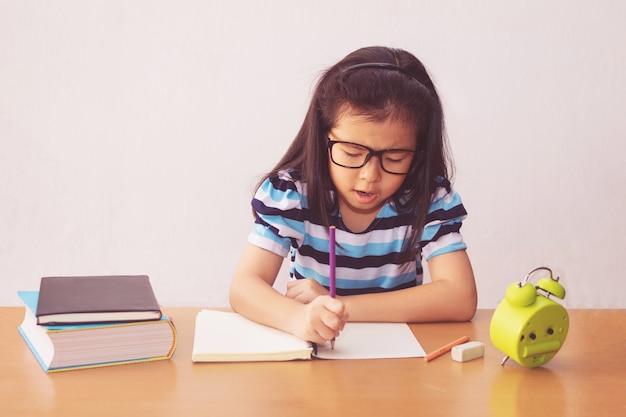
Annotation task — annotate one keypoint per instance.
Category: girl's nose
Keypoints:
(371, 171)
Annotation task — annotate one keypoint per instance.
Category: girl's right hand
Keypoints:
(321, 320)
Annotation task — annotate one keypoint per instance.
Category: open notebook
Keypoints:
(229, 337)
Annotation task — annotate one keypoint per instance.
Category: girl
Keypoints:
(370, 159)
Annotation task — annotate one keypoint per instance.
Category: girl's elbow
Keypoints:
(466, 310)
(467, 313)
(234, 297)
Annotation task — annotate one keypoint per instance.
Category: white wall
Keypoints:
(132, 132)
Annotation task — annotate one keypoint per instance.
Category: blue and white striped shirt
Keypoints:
(366, 262)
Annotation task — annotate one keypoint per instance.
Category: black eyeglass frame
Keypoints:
(372, 152)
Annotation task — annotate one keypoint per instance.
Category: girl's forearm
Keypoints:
(260, 302)
(451, 296)
(431, 302)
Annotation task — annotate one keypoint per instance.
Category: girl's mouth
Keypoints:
(365, 197)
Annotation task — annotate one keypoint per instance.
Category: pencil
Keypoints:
(447, 348)
(331, 275)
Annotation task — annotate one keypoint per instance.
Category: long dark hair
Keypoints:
(377, 83)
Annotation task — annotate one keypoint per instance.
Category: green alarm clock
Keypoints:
(528, 325)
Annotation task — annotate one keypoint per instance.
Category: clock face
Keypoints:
(531, 335)
(543, 335)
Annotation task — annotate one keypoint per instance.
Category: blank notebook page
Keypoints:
(373, 341)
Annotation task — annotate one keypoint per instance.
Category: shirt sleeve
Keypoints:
(277, 205)
(445, 217)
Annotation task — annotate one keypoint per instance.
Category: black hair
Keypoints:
(377, 83)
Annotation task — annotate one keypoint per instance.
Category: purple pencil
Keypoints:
(331, 263)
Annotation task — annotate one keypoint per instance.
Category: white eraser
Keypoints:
(468, 351)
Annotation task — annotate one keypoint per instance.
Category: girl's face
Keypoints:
(363, 191)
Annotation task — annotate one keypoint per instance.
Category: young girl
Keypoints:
(370, 160)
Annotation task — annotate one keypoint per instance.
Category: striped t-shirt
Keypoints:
(366, 262)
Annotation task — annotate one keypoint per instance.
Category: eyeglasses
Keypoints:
(353, 155)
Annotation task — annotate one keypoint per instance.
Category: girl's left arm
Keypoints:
(450, 296)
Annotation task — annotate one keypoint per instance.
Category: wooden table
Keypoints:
(586, 378)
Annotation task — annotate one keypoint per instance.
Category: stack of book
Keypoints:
(93, 321)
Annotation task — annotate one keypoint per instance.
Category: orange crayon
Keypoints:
(447, 348)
